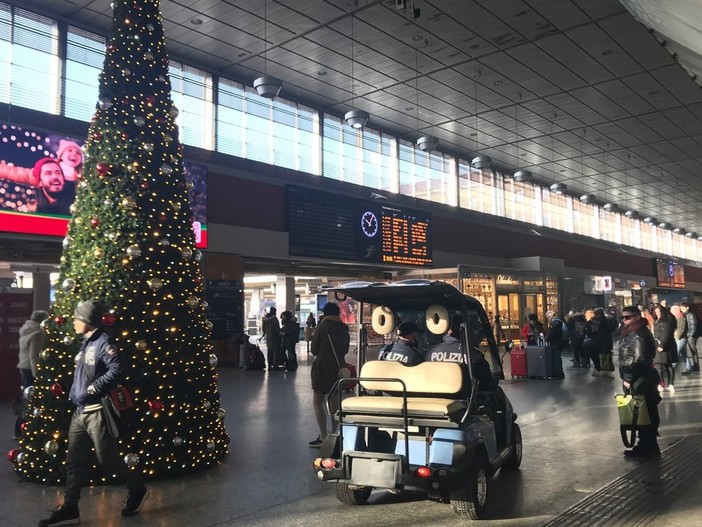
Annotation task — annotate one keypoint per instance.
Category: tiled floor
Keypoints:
(572, 449)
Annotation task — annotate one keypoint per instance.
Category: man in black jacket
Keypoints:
(405, 348)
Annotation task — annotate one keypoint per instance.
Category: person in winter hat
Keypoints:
(70, 157)
(99, 368)
(31, 342)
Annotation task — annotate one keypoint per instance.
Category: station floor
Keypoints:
(573, 472)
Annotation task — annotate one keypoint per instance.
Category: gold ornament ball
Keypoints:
(141, 345)
(155, 283)
(187, 253)
(193, 301)
(51, 448)
(98, 252)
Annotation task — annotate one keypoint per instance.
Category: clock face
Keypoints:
(369, 224)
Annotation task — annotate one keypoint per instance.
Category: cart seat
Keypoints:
(433, 389)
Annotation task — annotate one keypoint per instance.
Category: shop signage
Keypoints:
(505, 279)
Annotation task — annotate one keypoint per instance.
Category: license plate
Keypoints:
(381, 473)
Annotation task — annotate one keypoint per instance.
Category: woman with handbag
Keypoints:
(637, 350)
(330, 344)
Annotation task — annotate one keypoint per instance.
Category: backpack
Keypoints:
(565, 333)
(579, 328)
(256, 359)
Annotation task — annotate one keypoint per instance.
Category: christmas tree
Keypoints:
(130, 245)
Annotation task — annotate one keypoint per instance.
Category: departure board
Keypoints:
(326, 225)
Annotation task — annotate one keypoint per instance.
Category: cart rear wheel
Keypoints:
(516, 458)
(470, 500)
(352, 495)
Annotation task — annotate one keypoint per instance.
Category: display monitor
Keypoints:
(23, 211)
(670, 274)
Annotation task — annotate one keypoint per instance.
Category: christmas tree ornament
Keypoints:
(98, 252)
(12, 455)
(155, 283)
(177, 441)
(105, 103)
(211, 446)
(36, 413)
(213, 360)
(67, 341)
(221, 414)
(109, 319)
(68, 284)
(56, 389)
(45, 355)
(133, 251)
(67, 241)
(44, 325)
(28, 393)
(155, 405)
(129, 203)
(193, 301)
(108, 203)
(141, 345)
(139, 121)
(186, 252)
(131, 460)
(20, 457)
(51, 448)
(59, 320)
(103, 168)
(206, 404)
(94, 223)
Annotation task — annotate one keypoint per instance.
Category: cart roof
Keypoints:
(407, 294)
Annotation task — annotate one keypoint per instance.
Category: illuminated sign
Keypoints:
(332, 226)
(26, 209)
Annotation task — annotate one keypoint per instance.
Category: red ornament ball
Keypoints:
(103, 168)
(94, 222)
(23, 426)
(97, 136)
(56, 389)
(109, 319)
(197, 280)
(125, 136)
(145, 185)
(150, 100)
(156, 405)
(12, 455)
(162, 217)
(60, 320)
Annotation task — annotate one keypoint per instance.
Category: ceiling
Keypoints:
(576, 91)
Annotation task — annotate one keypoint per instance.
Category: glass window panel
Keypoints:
(5, 52)
(520, 201)
(555, 209)
(85, 54)
(610, 229)
(630, 232)
(34, 72)
(585, 219)
(406, 168)
(191, 92)
(230, 118)
(648, 237)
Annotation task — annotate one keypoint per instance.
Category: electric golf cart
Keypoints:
(428, 427)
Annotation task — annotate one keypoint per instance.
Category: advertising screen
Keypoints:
(326, 225)
(670, 274)
(27, 208)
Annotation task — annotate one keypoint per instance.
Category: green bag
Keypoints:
(633, 414)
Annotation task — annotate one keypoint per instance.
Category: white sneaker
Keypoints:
(660, 388)
(671, 389)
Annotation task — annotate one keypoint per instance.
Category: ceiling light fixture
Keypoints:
(355, 118)
(478, 161)
(650, 220)
(631, 214)
(587, 198)
(691, 234)
(558, 188)
(679, 230)
(266, 86)
(521, 176)
(426, 143)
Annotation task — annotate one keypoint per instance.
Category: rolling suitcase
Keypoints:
(544, 362)
(518, 362)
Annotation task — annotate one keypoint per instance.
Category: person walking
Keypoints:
(692, 364)
(680, 334)
(31, 342)
(271, 332)
(99, 368)
(637, 350)
(591, 350)
(664, 333)
(330, 344)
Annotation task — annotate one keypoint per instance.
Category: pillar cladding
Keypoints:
(41, 283)
(285, 294)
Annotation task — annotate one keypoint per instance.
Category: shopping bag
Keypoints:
(633, 414)
(606, 363)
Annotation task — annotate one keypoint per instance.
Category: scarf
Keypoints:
(634, 326)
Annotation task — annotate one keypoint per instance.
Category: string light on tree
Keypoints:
(130, 245)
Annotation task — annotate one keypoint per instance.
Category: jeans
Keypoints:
(691, 357)
(88, 430)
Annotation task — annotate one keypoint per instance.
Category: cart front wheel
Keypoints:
(516, 458)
